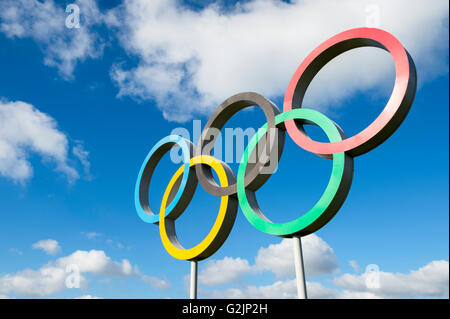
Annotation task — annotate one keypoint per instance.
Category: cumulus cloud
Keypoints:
(430, 280)
(49, 246)
(190, 61)
(226, 270)
(319, 259)
(51, 278)
(35, 283)
(96, 262)
(286, 289)
(25, 130)
(45, 22)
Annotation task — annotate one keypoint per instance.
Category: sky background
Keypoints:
(81, 107)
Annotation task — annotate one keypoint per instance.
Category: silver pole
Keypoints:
(299, 269)
(193, 290)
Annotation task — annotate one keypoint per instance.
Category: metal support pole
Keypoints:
(299, 269)
(193, 290)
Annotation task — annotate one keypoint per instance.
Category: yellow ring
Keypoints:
(221, 228)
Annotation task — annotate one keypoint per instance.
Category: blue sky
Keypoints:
(99, 97)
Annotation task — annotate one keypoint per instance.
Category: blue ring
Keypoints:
(150, 162)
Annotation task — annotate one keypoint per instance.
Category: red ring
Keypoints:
(389, 119)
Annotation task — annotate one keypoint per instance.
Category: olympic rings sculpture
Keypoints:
(198, 163)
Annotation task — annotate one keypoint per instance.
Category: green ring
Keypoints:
(330, 201)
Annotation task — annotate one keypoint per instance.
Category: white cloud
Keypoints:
(431, 280)
(154, 282)
(88, 297)
(97, 262)
(50, 246)
(190, 61)
(428, 281)
(279, 290)
(319, 259)
(35, 283)
(45, 22)
(25, 130)
(51, 278)
(218, 272)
